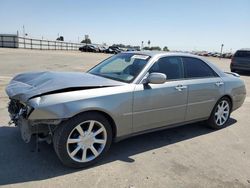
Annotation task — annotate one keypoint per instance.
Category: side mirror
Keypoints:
(156, 78)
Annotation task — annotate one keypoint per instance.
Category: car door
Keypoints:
(204, 88)
(157, 105)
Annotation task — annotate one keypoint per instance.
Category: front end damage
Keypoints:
(19, 116)
(36, 114)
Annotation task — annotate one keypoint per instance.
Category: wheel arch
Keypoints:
(230, 99)
(107, 116)
(227, 96)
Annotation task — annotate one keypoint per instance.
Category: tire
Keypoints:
(76, 145)
(213, 121)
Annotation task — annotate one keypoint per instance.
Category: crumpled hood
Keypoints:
(27, 85)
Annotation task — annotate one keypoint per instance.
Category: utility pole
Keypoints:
(23, 31)
(24, 42)
(221, 50)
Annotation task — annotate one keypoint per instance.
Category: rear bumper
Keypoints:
(240, 67)
(238, 101)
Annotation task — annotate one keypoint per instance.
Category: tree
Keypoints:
(60, 38)
(146, 48)
(165, 49)
(149, 42)
(157, 48)
(87, 41)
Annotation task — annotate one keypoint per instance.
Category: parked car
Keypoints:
(241, 60)
(127, 94)
(205, 54)
(89, 48)
(227, 55)
(102, 48)
(113, 50)
(202, 53)
(216, 54)
(210, 53)
(132, 49)
(109, 51)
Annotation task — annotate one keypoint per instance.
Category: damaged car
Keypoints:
(128, 94)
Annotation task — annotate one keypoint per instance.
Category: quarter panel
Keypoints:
(235, 88)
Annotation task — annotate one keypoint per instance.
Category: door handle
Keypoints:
(180, 87)
(219, 83)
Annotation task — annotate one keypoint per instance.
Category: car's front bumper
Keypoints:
(19, 115)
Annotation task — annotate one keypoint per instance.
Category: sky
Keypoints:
(178, 24)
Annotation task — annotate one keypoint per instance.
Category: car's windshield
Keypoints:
(122, 67)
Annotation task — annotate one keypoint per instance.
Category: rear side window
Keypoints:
(172, 67)
(245, 54)
(195, 68)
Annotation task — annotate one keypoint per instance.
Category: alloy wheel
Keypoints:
(86, 141)
(222, 112)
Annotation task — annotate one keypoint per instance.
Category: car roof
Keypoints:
(162, 53)
(244, 49)
(159, 54)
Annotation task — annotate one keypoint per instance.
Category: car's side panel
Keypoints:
(157, 105)
(202, 96)
(114, 101)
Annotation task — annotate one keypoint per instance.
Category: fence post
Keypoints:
(2, 40)
(48, 45)
(67, 46)
(17, 41)
(55, 45)
(24, 45)
(14, 41)
(31, 47)
(40, 44)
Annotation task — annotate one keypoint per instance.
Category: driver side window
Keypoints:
(172, 67)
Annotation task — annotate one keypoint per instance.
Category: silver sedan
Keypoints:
(125, 95)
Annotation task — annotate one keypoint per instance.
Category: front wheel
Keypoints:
(82, 140)
(220, 114)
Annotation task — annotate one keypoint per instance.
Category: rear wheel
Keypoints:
(220, 114)
(82, 140)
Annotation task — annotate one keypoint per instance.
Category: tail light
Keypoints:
(232, 61)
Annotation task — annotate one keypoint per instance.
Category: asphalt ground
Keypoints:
(187, 156)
